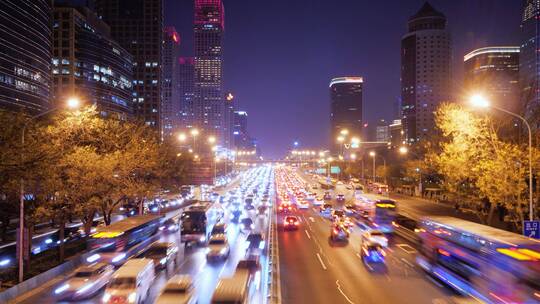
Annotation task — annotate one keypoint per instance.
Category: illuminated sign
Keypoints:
(382, 205)
(106, 235)
(520, 254)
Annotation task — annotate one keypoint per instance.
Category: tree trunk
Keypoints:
(61, 233)
(490, 214)
(141, 206)
(88, 220)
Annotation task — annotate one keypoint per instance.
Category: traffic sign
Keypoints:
(531, 229)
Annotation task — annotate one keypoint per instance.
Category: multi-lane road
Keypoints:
(316, 270)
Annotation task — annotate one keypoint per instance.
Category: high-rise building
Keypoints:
(137, 25)
(395, 130)
(494, 72)
(208, 104)
(241, 137)
(345, 107)
(170, 105)
(25, 55)
(425, 72)
(88, 64)
(382, 133)
(229, 120)
(529, 62)
(186, 71)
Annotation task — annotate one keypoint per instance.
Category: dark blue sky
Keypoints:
(281, 54)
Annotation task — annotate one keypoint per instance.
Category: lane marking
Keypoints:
(407, 248)
(342, 293)
(312, 219)
(307, 233)
(407, 262)
(322, 263)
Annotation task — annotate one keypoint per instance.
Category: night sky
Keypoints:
(281, 54)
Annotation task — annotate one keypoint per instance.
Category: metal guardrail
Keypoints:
(274, 288)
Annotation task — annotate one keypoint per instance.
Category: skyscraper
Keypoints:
(208, 104)
(25, 55)
(137, 25)
(170, 105)
(425, 72)
(186, 71)
(494, 72)
(88, 64)
(345, 107)
(529, 66)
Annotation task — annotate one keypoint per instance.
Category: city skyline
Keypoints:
(297, 80)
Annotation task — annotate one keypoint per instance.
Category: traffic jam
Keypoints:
(210, 251)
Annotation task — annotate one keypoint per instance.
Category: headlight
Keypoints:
(163, 261)
(61, 289)
(132, 297)
(106, 297)
(223, 250)
(119, 257)
(202, 238)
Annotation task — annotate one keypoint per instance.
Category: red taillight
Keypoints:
(444, 252)
(335, 231)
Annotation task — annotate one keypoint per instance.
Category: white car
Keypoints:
(85, 282)
(375, 236)
(178, 290)
(318, 201)
(218, 247)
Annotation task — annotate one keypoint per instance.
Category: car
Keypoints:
(218, 247)
(162, 253)
(375, 236)
(302, 204)
(318, 201)
(131, 282)
(339, 232)
(291, 222)
(255, 240)
(337, 214)
(349, 209)
(178, 290)
(170, 225)
(372, 253)
(326, 210)
(285, 207)
(85, 282)
(340, 197)
(327, 196)
(219, 228)
(247, 223)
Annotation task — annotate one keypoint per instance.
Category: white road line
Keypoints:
(407, 248)
(312, 219)
(342, 293)
(407, 262)
(322, 263)
(307, 233)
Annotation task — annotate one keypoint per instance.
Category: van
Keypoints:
(131, 282)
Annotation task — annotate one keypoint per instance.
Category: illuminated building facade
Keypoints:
(529, 69)
(345, 107)
(137, 25)
(186, 72)
(209, 104)
(88, 64)
(425, 72)
(494, 72)
(25, 60)
(171, 103)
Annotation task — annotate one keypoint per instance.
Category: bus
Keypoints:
(120, 240)
(488, 264)
(198, 221)
(381, 213)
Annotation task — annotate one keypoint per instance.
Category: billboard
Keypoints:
(335, 170)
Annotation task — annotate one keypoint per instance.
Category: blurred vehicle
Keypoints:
(218, 247)
(186, 191)
(198, 220)
(372, 253)
(171, 225)
(261, 210)
(326, 210)
(285, 207)
(291, 222)
(118, 241)
(340, 197)
(318, 201)
(375, 236)
(302, 204)
(337, 215)
(384, 215)
(178, 290)
(488, 264)
(255, 240)
(85, 282)
(349, 209)
(246, 223)
(233, 289)
(162, 253)
(219, 228)
(339, 232)
(327, 196)
(131, 282)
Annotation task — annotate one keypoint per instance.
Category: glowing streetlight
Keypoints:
(355, 140)
(182, 137)
(353, 156)
(479, 101)
(340, 139)
(344, 132)
(340, 157)
(73, 103)
(211, 139)
(194, 132)
(372, 153)
(330, 159)
(403, 150)
(321, 154)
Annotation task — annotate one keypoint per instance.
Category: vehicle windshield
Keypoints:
(155, 250)
(83, 274)
(122, 283)
(193, 221)
(217, 241)
(338, 213)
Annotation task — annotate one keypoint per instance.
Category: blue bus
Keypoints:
(383, 216)
(485, 263)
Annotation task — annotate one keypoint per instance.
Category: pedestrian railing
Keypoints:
(274, 288)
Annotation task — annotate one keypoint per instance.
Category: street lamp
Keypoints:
(211, 139)
(403, 150)
(344, 132)
(372, 154)
(182, 137)
(353, 156)
(481, 101)
(71, 103)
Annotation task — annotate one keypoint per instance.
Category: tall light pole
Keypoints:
(403, 151)
(481, 102)
(372, 154)
(71, 103)
(194, 133)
